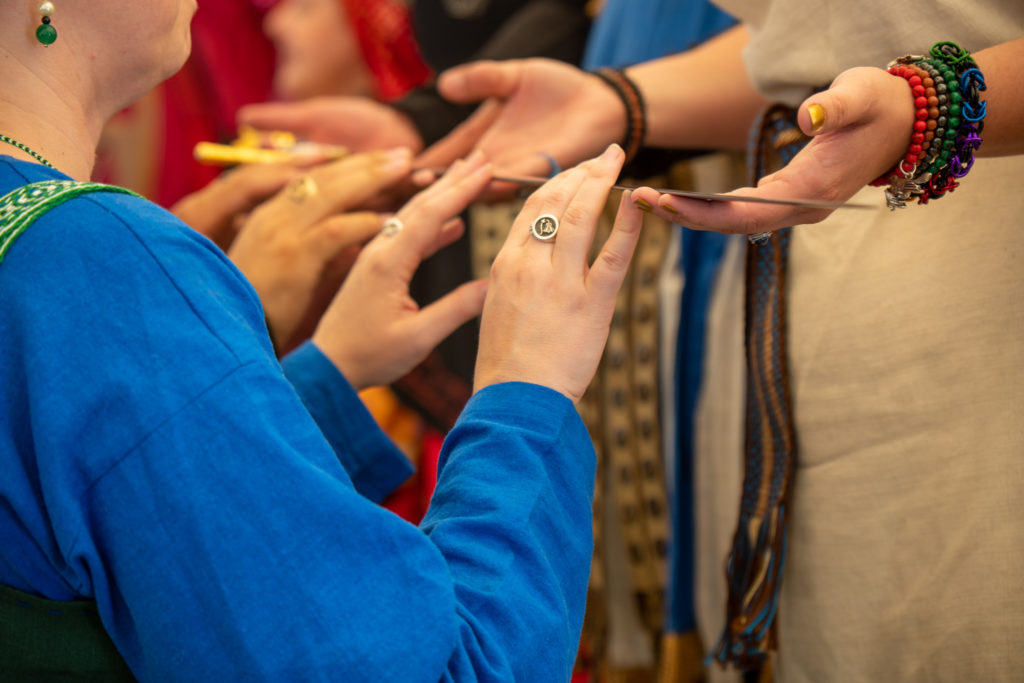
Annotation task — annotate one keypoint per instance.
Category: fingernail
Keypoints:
(643, 205)
(668, 207)
(613, 150)
(817, 113)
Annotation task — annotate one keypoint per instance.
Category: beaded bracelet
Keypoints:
(636, 110)
(948, 120)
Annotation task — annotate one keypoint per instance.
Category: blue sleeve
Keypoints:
(164, 466)
(244, 563)
(377, 467)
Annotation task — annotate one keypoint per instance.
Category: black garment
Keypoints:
(452, 32)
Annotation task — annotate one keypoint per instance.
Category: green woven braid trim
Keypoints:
(21, 207)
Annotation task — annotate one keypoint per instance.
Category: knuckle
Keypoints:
(615, 260)
(575, 215)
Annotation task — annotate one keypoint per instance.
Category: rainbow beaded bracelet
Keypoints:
(948, 120)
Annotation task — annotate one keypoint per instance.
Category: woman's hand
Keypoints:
(867, 114)
(297, 240)
(216, 210)
(548, 311)
(373, 331)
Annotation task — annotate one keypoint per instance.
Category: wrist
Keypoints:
(632, 108)
(949, 117)
(347, 367)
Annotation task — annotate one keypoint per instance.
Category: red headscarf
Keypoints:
(384, 31)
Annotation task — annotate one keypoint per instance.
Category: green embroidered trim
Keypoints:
(21, 207)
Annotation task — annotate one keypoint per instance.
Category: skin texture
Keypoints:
(56, 100)
(317, 50)
(359, 123)
(703, 99)
(868, 120)
(293, 245)
(547, 310)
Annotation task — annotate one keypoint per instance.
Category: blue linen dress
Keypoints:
(217, 505)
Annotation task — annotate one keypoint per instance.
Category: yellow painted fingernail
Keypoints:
(817, 113)
(671, 209)
(643, 205)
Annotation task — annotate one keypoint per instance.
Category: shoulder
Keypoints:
(108, 297)
(114, 255)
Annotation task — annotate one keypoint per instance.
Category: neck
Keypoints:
(48, 117)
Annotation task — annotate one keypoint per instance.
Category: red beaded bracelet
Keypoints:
(926, 114)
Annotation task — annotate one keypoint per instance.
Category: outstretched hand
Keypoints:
(548, 311)
(868, 117)
(373, 331)
(549, 108)
(359, 123)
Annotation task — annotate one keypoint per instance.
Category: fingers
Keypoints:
(480, 80)
(581, 216)
(459, 142)
(355, 179)
(438, 320)
(335, 233)
(609, 269)
(291, 116)
(428, 212)
(553, 197)
(843, 104)
(450, 232)
(250, 184)
(732, 217)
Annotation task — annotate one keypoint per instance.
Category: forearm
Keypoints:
(699, 99)
(1004, 119)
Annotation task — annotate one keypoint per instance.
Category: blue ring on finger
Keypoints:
(555, 168)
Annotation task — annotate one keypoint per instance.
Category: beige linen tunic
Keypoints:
(906, 555)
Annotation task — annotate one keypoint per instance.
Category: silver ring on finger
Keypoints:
(544, 227)
(392, 227)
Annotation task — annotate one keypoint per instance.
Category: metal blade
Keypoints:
(533, 181)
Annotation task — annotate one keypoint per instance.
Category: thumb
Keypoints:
(480, 80)
(460, 142)
(290, 116)
(435, 322)
(847, 102)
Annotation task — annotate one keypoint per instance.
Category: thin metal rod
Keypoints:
(536, 181)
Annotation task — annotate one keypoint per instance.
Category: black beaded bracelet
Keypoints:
(636, 110)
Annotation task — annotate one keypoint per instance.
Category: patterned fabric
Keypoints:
(755, 565)
(21, 207)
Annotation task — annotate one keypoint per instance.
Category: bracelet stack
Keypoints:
(636, 110)
(948, 120)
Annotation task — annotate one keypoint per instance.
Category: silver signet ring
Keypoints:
(391, 227)
(544, 227)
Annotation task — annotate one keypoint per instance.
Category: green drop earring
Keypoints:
(46, 33)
